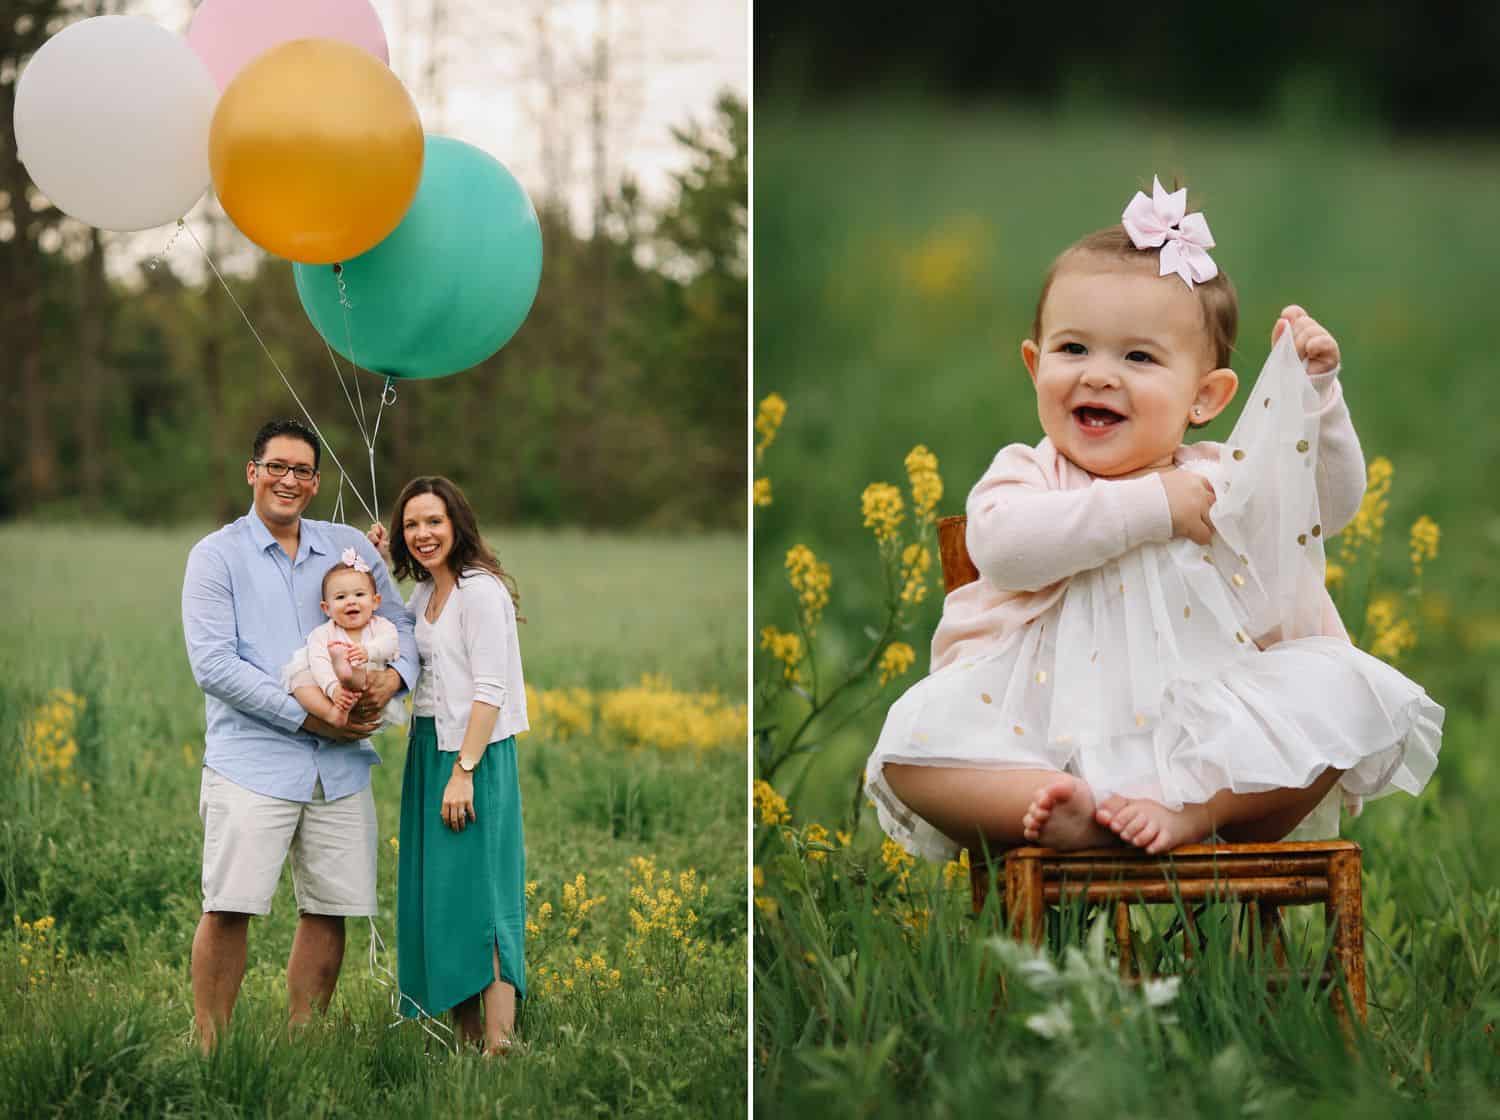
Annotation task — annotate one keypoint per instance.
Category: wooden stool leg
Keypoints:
(1122, 940)
(980, 873)
(1344, 912)
(1025, 904)
(1272, 933)
(1189, 931)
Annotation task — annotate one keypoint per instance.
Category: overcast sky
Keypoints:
(668, 61)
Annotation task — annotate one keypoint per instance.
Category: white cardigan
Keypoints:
(476, 655)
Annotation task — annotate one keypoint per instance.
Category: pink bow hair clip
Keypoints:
(1159, 221)
(354, 560)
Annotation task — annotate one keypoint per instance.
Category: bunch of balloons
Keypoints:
(415, 256)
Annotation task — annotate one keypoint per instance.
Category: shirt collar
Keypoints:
(311, 537)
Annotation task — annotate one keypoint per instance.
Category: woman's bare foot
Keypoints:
(1151, 825)
(1061, 815)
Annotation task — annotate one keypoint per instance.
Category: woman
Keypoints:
(461, 898)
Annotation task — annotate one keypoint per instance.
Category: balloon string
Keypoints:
(398, 997)
(167, 248)
(346, 305)
(311, 422)
(339, 373)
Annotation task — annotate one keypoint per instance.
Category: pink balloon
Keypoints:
(226, 34)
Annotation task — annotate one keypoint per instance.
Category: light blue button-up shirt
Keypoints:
(246, 609)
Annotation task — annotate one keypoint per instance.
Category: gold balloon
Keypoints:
(316, 151)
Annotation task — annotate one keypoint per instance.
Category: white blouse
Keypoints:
(476, 655)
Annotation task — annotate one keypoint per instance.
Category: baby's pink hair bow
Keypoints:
(1184, 239)
(354, 560)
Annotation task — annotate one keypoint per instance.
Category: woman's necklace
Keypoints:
(438, 601)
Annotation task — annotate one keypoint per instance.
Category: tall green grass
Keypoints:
(899, 248)
(116, 862)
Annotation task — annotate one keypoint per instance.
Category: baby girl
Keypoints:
(1149, 654)
(328, 675)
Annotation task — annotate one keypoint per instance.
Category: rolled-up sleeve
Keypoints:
(486, 623)
(209, 628)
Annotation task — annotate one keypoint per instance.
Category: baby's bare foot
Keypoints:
(1151, 825)
(349, 676)
(1061, 815)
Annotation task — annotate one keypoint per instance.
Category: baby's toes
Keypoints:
(1147, 835)
(1107, 808)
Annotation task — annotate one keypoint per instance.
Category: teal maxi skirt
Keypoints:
(460, 895)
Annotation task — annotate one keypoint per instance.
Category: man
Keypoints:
(277, 780)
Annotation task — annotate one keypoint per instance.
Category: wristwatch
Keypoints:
(467, 764)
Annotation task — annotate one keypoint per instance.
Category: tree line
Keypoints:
(621, 402)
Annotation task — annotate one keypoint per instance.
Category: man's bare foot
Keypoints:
(350, 675)
(1151, 825)
(1061, 815)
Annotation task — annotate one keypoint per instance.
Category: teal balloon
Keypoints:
(449, 286)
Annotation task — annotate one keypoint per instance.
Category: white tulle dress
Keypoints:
(1176, 670)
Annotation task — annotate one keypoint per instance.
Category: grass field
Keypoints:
(629, 786)
(899, 249)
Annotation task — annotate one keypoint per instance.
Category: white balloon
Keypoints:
(112, 121)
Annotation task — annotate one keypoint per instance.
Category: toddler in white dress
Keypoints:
(1149, 654)
(328, 675)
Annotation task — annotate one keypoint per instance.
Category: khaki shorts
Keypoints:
(247, 837)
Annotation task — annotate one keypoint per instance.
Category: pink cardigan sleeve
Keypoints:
(1341, 462)
(1026, 532)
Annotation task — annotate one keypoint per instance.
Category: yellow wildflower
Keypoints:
(1369, 522)
(655, 714)
(915, 561)
(896, 858)
(882, 506)
(810, 579)
(762, 492)
(1333, 576)
(758, 877)
(784, 647)
(815, 834)
(396, 844)
(945, 261)
(957, 870)
(770, 805)
(1391, 635)
(768, 418)
(1424, 543)
(895, 660)
(926, 483)
(49, 744)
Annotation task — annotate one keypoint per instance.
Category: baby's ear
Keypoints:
(1216, 389)
(1029, 352)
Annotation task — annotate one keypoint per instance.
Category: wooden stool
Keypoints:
(1264, 876)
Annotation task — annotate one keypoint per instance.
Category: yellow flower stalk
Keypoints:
(815, 834)
(810, 579)
(761, 495)
(784, 647)
(916, 559)
(768, 418)
(770, 806)
(1425, 535)
(896, 659)
(1369, 522)
(926, 483)
(882, 506)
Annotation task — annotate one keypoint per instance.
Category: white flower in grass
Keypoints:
(1161, 991)
(1055, 1022)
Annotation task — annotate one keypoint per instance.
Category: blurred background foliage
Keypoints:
(132, 392)
(904, 216)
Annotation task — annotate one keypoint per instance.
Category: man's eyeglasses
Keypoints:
(277, 469)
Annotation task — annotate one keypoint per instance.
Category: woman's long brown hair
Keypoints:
(469, 549)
